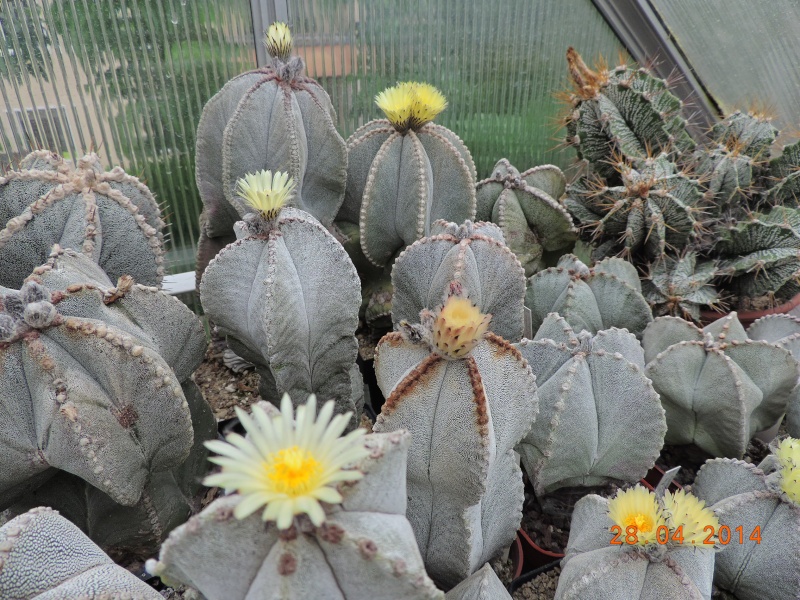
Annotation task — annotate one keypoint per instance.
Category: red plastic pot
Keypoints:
(746, 317)
(654, 475)
(526, 555)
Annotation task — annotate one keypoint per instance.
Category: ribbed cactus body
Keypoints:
(607, 295)
(525, 206)
(483, 584)
(599, 418)
(45, 557)
(288, 300)
(471, 257)
(761, 255)
(465, 416)
(785, 177)
(269, 119)
(594, 568)
(745, 496)
(625, 111)
(680, 286)
(400, 183)
(102, 367)
(651, 211)
(111, 217)
(717, 385)
(364, 549)
(167, 500)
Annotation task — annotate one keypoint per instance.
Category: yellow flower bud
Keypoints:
(458, 327)
(278, 40)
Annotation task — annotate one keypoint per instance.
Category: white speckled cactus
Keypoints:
(599, 417)
(483, 584)
(287, 296)
(270, 118)
(402, 176)
(45, 557)
(167, 500)
(472, 256)
(525, 206)
(716, 384)
(111, 217)
(764, 564)
(468, 397)
(634, 565)
(102, 367)
(607, 295)
(365, 547)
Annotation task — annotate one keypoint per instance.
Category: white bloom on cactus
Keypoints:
(265, 192)
(288, 466)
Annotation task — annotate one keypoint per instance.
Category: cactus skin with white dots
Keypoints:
(45, 557)
(111, 217)
(483, 584)
(103, 373)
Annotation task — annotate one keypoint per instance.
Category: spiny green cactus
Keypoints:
(271, 118)
(404, 173)
(287, 297)
(659, 552)
(45, 557)
(525, 206)
(365, 545)
(467, 397)
(680, 286)
(471, 257)
(761, 255)
(599, 418)
(651, 211)
(624, 111)
(784, 175)
(483, 584)
(111, 217)
(718, 386)
(607, 295)
(102, 367)
(764, 564)
(168, 498)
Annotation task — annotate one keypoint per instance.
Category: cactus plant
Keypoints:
(287, 297)
(624, 111)
(45, 557)
(761, 256)
(102, 367)
(680, 286)
(483, 584)
(111, 217)
(607, 295)
(358, 543)
(717, 385)
(405, 172)
(271, 118)
(473, 257)
(168, 498)
(762, 505)
(467, 397)
(525, 206)
(639, 545)
(783, 174)
(599, 418)
(651, 211)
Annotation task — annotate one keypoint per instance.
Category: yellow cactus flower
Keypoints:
(278, 40)
(788, 454)
(696, 521)
(410, 105)
(288, 466)
(458, 327)
(638, 516)
(265, 192)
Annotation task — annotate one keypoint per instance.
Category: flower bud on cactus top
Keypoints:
(265, 192)
(788, 454)
(288, 466)
(458, 327)
(278, 40)
(410, 105)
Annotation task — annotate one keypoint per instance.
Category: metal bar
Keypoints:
(648, 40)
